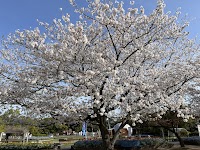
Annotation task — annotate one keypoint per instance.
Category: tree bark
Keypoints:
(175, 133)
(107, 143)
(163, 134)
(179, 139)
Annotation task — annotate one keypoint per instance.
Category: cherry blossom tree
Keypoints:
(112, 63)
(193, 95)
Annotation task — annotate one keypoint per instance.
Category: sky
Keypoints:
(22, 14)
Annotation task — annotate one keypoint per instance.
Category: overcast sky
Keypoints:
(22, 14)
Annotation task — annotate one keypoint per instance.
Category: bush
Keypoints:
(127, 144)
(195, 140)
(20, 146)
(151, 143)
(88, 145)
(195, 133)
(120, 144)
(183, 133)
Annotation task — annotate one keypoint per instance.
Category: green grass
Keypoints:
(69, 137)
(67, 141)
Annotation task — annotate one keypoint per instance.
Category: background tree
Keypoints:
(36, 126)
(12, 117)
(2, 125)
(50, 125)
(193, 95)
(112, 63)
(171, 121)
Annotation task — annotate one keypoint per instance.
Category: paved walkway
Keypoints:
(177, 147)
(187, 147)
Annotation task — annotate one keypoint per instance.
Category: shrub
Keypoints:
(195, 140)
(195, 133)
(120, 144)
(151, 143)
(127, 144)
(20, 146)
(183, 133)
(88, 145)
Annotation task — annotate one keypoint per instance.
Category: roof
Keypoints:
(116, 127)
(15, 131)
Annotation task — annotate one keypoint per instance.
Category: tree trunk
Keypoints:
(175, 133)
(107, 143)
(179, 139)
(162, 132)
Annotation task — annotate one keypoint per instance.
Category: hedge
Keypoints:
(195, 140)
(120, 144)
(29, 146)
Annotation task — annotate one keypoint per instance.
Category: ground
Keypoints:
(175, 147)
(187, 147)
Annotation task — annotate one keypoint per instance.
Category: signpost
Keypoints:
(84, 129)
